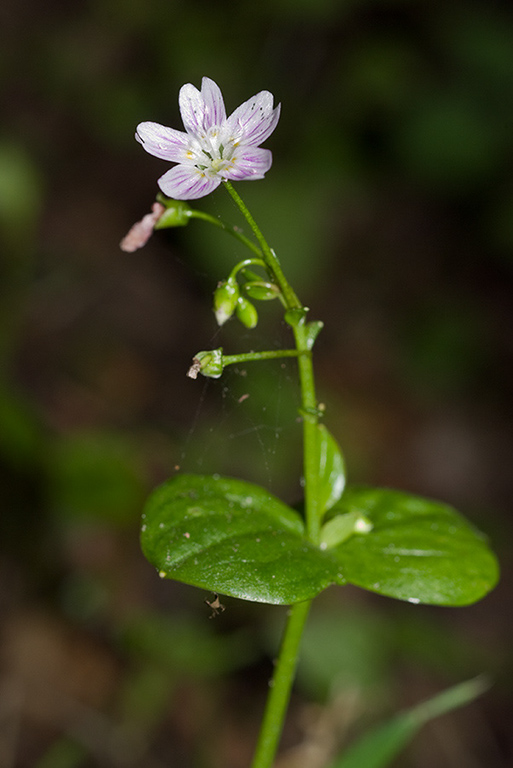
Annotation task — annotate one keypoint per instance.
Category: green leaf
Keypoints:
(383, 744)
(313, 329)
(339, 528)
(235, 538)
(418, 550)
(332, 476)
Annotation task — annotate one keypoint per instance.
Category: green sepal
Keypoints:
(331, 469)
(209, 363)
(177, 213)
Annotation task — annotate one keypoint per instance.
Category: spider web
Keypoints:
(246, 423)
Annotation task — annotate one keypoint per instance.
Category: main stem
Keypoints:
(310, 414)
(283, 678)
(281, 686)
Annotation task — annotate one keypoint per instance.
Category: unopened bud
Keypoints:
(226, 297)
(246, 313)
(261, 290)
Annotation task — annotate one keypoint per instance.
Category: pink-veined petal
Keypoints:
(163, 142)
(215, 112)
(249, 163)
(193, 111)
(185, 182)
(254, 121)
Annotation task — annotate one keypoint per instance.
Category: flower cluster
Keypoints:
(213, 147)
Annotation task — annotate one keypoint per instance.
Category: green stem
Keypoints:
(246, 263)
(247, 357)
(280, 686)
(270, 258)
(195, 214)
(278, 699)
(310, 415)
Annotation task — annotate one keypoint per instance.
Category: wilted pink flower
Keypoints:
(142, 230)
(213, 147)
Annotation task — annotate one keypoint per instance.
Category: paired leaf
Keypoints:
(418, 550)
(332, 476)
(235, 538)
(377, 748)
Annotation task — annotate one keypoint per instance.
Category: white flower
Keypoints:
(213, 147)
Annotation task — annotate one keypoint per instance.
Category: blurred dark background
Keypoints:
(390, 203)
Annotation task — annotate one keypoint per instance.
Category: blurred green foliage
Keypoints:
(95, 476)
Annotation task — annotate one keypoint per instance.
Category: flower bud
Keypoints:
(177, 213)
(226, 297)
(208, 363)
(246, 313)
(261, 290)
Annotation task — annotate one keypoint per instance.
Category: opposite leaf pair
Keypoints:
(235, 538)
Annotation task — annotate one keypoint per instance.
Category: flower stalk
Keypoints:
(281, 685)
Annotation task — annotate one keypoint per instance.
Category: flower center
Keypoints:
(211, 156)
